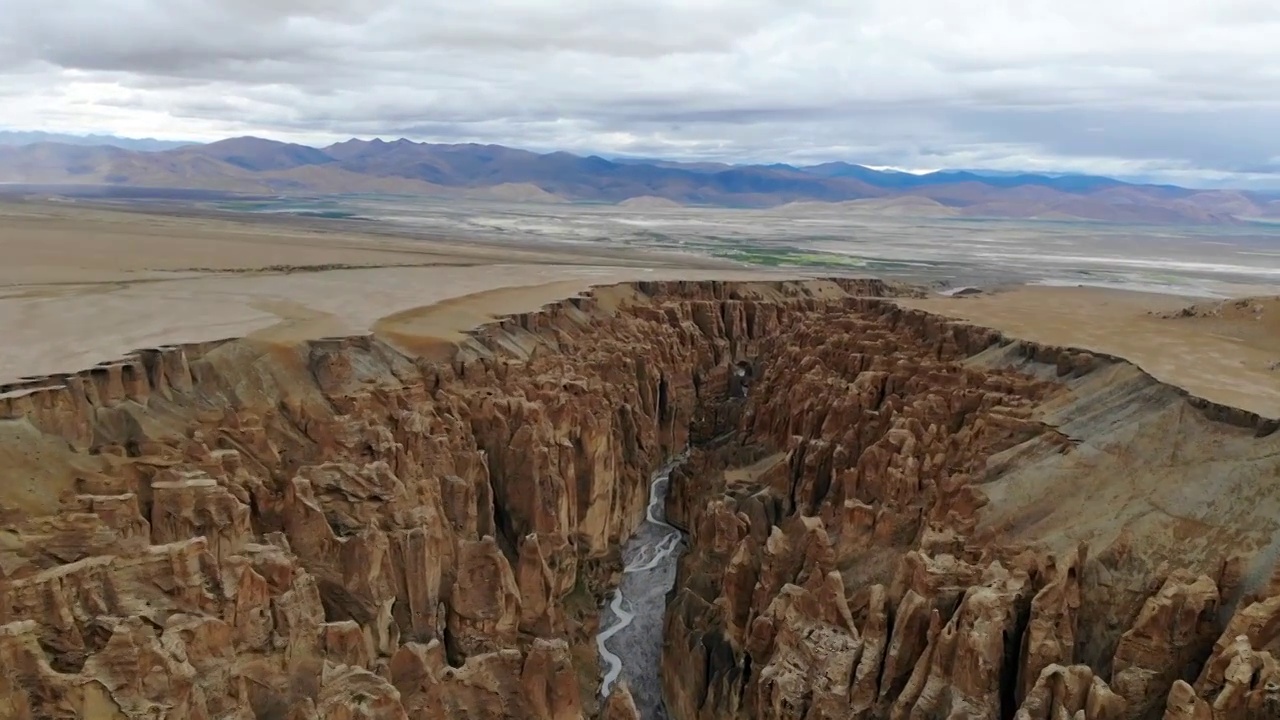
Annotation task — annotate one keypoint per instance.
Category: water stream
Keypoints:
(630, 639)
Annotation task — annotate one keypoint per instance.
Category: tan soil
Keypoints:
(1226, 358)
(83, 285)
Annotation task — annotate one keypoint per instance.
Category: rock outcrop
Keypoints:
(346, 529)
(841, 564)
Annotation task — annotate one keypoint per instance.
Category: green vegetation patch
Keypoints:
(790, 257)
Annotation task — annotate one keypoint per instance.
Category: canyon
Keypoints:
(877, 513)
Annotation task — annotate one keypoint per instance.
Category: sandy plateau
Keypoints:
(279, 469)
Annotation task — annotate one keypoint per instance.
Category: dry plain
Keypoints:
(81, 285)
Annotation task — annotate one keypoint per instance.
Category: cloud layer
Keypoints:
(1180, 90)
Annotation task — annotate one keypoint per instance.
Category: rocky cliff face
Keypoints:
(840, 565)
(341, 529)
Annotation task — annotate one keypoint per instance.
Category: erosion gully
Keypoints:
(630, 639)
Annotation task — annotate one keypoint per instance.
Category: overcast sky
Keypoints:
(1180, 90)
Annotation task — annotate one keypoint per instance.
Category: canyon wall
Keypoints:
(342, 528)
(920, 520)
(347, 528)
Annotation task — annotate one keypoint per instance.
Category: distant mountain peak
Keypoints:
(23, 137)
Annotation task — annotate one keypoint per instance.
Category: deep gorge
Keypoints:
(889, 515)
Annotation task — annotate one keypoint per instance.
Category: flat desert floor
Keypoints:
(81, 285)
(1225, 351)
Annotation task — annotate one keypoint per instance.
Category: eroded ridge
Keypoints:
(337, 529)
(921, 521)
(876, 501)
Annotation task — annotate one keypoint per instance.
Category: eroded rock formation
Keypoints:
(346, 529)
(840, 566)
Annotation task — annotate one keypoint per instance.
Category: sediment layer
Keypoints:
(890, 515)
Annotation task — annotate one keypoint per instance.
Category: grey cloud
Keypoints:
(1230, 140)
(1188, 89)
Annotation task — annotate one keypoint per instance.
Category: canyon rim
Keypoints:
(888, 514)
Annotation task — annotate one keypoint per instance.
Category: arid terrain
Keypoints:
(84, 285)
(284, 469)
(1226, 350)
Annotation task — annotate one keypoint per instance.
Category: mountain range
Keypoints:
(256, 166)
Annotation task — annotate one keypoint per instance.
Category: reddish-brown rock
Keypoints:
(342, 529)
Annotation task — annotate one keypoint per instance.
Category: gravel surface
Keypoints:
(630, 641)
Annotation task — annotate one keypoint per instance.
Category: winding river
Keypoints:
(630, 639)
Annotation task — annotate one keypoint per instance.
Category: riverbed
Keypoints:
(630, 639)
